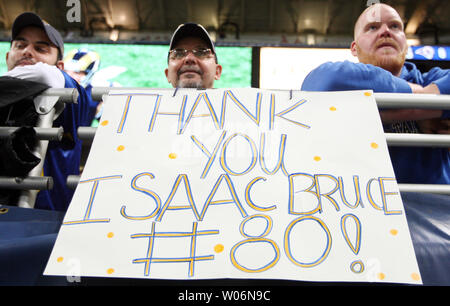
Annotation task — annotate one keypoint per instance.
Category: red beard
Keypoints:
(388, 60)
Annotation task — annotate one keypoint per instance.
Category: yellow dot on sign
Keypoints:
(60, 259)
(415, 276)
(110, 235)
(317, 158)
(393, 232)
(104, 122)
(218, 248)
(374, 145)
(381, 276)
(367, 94)
(172, 155)
(333, 109)
(120, 148)
(110, 271)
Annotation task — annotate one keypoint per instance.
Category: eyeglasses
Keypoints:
(200, 53)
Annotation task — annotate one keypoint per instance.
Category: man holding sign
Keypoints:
(192, 59)
(236, 183)
(381, 47)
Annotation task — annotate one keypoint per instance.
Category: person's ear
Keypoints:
(218, 72)
(353, 49)
(166, 71)
(60, 64)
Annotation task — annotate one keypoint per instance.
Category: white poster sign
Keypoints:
(238, 183)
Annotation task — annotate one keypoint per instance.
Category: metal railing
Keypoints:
(41, 133)
(45, 132)
(50, 101)
(402, 100)
(383, 100)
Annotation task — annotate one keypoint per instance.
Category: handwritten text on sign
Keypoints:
(238, 183)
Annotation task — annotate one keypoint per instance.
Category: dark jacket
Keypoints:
(17, 110)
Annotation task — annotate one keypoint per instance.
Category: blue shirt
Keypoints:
(63, 157)
(414, 165)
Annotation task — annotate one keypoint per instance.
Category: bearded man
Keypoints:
(380, 46)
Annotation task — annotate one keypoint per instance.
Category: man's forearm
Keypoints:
(430, 89)
(39, 72)
(389, 116)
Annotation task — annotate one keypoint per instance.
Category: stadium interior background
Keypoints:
(261, 43)
(271, 44)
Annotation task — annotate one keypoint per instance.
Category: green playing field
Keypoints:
(143, 65)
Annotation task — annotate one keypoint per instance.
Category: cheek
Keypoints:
(209, 70)
(45, 58)
(40, 58)
(368, 44)
(12, 55)
(402, 42)
(13, 58)
(364, 44)
(172, 70)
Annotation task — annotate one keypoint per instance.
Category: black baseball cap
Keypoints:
(31, 19)
(191, 30)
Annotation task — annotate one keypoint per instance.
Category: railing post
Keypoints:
(27, 198)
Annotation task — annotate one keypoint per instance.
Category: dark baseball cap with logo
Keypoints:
(191, 29)
(31, 19)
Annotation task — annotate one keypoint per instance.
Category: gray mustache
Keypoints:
(189, 68)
